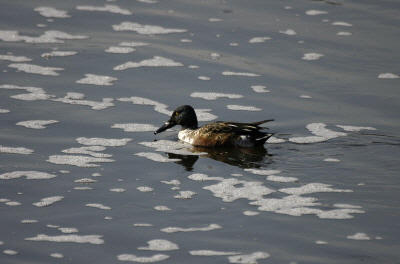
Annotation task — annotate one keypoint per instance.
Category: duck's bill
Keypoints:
(164, 127)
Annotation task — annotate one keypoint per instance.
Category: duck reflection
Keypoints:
(244, 158)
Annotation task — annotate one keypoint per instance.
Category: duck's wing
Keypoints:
(234, 127)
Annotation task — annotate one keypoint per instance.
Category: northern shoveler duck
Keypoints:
(215, 134)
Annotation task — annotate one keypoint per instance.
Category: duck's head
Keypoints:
(183, 115)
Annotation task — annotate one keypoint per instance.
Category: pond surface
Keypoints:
(84, 84)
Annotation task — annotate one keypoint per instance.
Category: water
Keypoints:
(88, 183)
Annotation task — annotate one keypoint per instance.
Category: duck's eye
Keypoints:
(176, 113)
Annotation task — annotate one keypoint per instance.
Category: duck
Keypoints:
(215, 134)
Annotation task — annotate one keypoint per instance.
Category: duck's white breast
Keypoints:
(186, 135)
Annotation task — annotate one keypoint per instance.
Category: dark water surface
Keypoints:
(93, 186)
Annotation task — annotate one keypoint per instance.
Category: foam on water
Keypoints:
(47, 11)
(185, 195)
(48, 201)
(92, 239)
(117, 190)
(311, 188)
(289, 32)
(77, 160)
(71, 98)
(171, 147)
(359, 236)
(92, 151)
(332, 160)
(48, 55)
(29, 221)
(68, 230)
(388, 75)
(212, 253)
(146, 29)
(50, 36)
(312, 56)
(341, 23)
(344, 33)
(321, 134)
(251, 213)
(35, 93)
(275, 178)
(36, 69)
(155, 157)
(106, 8)
(15, 58)
(159, 107)
(259, 40)
(204, 78)
(85, 180)
(315, 12)
(122, 50)
(97, 79)
(103, 141)
(156, 61)
(12, 150)
(4, 111)
(36, 124)
(160, 245)
(145, 189)
(215, 96)
(263, 172)
(10, 252)
(135, 127)
(260, 89)
(56, 255)
(249, 259)
(243, 108)
(133, 44)
(191, 229)
(99, 206)
(162, 208)
(248, 74)
(134, 258)
(30, 175)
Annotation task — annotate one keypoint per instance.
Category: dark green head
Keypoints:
(183, 115)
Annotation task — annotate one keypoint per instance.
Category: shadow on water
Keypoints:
(241, 157)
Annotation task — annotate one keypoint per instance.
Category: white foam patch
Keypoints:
(117, 190)
(171, 147)
(359, 236)
(248, 74)
(145, 189)
(263, 172)
(48, 201)
(121, 50)
(232, 189)
(211, 227)
(243, 108)
(160, 245)
(143, 225)
(275, 178)
(15, 58)
(10, 252)
(275, 140)
(92, 239)
(249, 259)
(315, 12)
(146, 29)
(99, 206)
(30, 175)
(103, 141)
(331, 160)
(35, 93)
(215, 96)
(134, 258)
(47, 11)
(36, 124)
(156, 61)
(148, 1)
(155, 157)
(77, 160)
(203, 115)
(85, 180)
(305, 96)
(259, 40)
(185, 195)
(321, 132)
(56, 255)
(36, 69)
(106, 8)
(341, 23)
(320, 242)
(260, 89)
(52, 54)
(68, 230)
(135, 127)
(133, 44)
(13, 203)
(50, 36)
(186, 40)
(291, 205)
(312, 56)
(20, 150)
(74, 99)
(162, 208)
(29, 221)
(215, 20)
(311, 188)
(388, 75)
(338, 213)
(97, 79)
(250, 213)
(204, 78)
(91, 150)
(344, 33)
(210, 253)
(289, 32)
(4, 111)
(159, 107)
